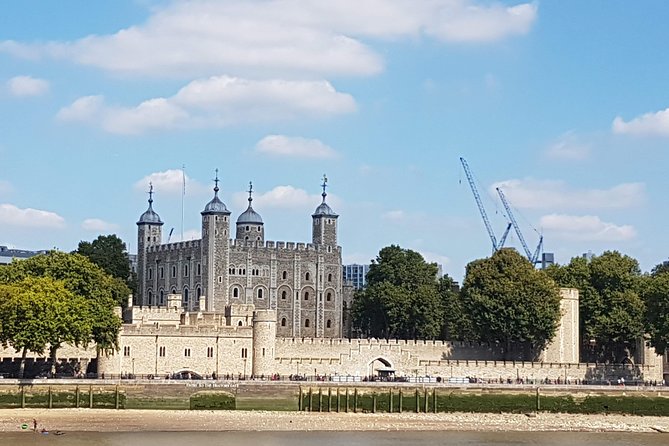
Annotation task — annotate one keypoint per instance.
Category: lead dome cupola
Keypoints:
(324, 209)
(215, 206)
(150, 216)
(250, 216)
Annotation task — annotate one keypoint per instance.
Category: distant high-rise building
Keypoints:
(547, 259)
(355, 275)
(588, 255)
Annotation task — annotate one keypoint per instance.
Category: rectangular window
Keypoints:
(210, 352)
(150, 273)
(162, 272)
(187, 352)
(161, 352)
(185, 270)
(245, 353)
(198, 269)
(126, 350)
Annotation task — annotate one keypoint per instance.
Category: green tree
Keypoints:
(457, 324)
(109, 253)
(85, 280)
(611, 309)
(39, 313)
(401, 299)
(511, 302)
(655, 294)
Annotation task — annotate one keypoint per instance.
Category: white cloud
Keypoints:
(284, 197)
(169, 182)
(649, 124)
(29, 218)
(97, 225)
(27, 86)
(301, 37)
(568, 148)
(286, 146)
(433, 257)
(214, 102)
(551, 194)
(397, 216)
(585, 228)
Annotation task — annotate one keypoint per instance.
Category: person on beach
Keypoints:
(34, 424)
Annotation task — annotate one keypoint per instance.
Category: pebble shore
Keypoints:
(100, 420)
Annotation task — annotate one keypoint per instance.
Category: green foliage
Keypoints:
(457, 323)
(656, 297)
(212, 401)
(109, 253)
(509, 301)
(401, 299)
(97, 292)
(611, 309)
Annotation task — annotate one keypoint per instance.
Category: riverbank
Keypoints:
(101, 420)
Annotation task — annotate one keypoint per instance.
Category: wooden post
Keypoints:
(538, 400)
(311, 399)
(320, 399)
(50, 398)
(417, 401)
(76, 397)
(434, 400)
(338, 399)
(90, 397)
(329, 399)
(355, 400)
(390, 400)
(399, 398)
(373, 402)
(299, 400)
(346, 400)
(23, 397)
(116, 401)
(427, 402)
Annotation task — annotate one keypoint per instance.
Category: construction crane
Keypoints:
(532, 257)
(472, 184)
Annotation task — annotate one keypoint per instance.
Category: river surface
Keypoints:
(335, 439)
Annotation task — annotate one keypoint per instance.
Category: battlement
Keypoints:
(279, 245)
(175, 246)
(374, 342)
(187, 330)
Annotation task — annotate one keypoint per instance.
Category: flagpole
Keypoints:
(183, 194)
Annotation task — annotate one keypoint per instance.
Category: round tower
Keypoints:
(250, 226)
(149, 233)
(215, 251)
(264, 342)
(324, 223)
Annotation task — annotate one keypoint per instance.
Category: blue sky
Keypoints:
(564, 105)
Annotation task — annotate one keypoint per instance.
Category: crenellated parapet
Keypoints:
(176, 246)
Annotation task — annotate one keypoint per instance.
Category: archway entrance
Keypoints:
(381, 369)
(186, 374)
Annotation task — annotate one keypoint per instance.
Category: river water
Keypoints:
(335, 439)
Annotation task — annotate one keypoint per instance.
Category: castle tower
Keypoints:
(324, 223)
(264, 340)
(215, 252)
(149, 233)
(250, 226)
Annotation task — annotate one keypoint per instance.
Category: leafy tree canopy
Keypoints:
(509, 301)
(401, 299)
(109, 253)
(655, 294)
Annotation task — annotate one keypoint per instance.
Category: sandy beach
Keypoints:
(98, 420)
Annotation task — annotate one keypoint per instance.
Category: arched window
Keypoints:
(328, 324)
(259, 293)
(162, 297)
(306, 295)
(247, 228)
(284, 275)
(150, 298)
(174, 271)
(307, 276)
(174, 291)
(329, 277)
(235, 292)
(239, 324)
(186, 297)
(328, 297)
(306, 323)
(283, 322)
(283, 294)
(198, 290)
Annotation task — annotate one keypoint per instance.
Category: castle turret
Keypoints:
(215, 251)
(250, 226)
(264, 340)
(324, 224)
(149, 233)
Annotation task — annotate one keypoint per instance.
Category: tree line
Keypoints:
(60, 298)
(506, 300)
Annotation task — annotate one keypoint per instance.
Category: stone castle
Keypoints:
(301, 282)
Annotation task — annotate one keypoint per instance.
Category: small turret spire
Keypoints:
(150, 193)
(324, 185)
(216, 189)
(250, 191)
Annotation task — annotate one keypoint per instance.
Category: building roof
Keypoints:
(250, 216)
(215, 206)
(150, 216)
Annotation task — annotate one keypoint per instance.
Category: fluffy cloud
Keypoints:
(27, 86)
(396, 216)
(214, 102)
(433, 257)
(29, 218)
(286, 146)
(300, 37)
(585, 228)
(649, 124)
(169, 182)
(284, 197)
(549, 194)
(568, 148)
(97, 225)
